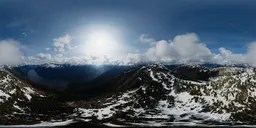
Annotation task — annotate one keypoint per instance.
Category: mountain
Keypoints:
(15, 94)
(142, 95)
(156, 95)
(103, 82)
(59, 76)
(64, 77)
(20, 103)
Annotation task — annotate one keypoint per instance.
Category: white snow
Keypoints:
(152, 75)
(17, 107)
(5, 80)
(224, 88)
(3, 94)
(185, 105)
(42, 124)
(114, 125)
(28, 96)
(109, 110)
(13, 91)
(27, 92)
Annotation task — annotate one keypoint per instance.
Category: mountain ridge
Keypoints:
(163, 95)
(168, 99)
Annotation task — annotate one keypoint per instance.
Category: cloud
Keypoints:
(186, 48)
(133, 59)
(145, 39)
(250, 56)
(62, 43)
(183, 48)
(43, 58)
(224, 52)
(10, 52)
(39, 58)
(24, 34)
(227, 57)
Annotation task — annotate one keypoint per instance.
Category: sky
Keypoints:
(127, 32)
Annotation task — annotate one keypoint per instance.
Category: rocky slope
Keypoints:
(20, 103)
(151, 95)
(155, 95)
(14, 94)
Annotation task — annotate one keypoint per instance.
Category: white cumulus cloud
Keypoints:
(146, 39)
(227, 57)
(132, 59)
(250, 56)
(10, 52)
(183, 48)
(62, 43)
(188, 48)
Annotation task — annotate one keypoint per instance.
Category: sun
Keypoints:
(101, 39)
(101, 42)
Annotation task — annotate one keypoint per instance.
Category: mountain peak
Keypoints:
(157, 65)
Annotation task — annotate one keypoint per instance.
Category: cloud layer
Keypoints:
(186, 48)
(42, 58)
(181, 48)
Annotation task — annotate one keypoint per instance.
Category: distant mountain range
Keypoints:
(141, 95)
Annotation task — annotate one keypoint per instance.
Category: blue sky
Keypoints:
(35, 24)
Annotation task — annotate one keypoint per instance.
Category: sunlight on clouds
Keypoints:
(62, 43)
(100, 43)
(103, 47)
(43, 58)
(102, 40)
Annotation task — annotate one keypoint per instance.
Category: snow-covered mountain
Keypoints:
(150, 95)
(20, 103)
(159, 96)
(14, 94)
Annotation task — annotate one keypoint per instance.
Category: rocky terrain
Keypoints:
(20, 103)
(159, 96)
(151, 95)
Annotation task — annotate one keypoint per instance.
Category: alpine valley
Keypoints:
(130, 96)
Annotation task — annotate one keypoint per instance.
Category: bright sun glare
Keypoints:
(101, 42)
